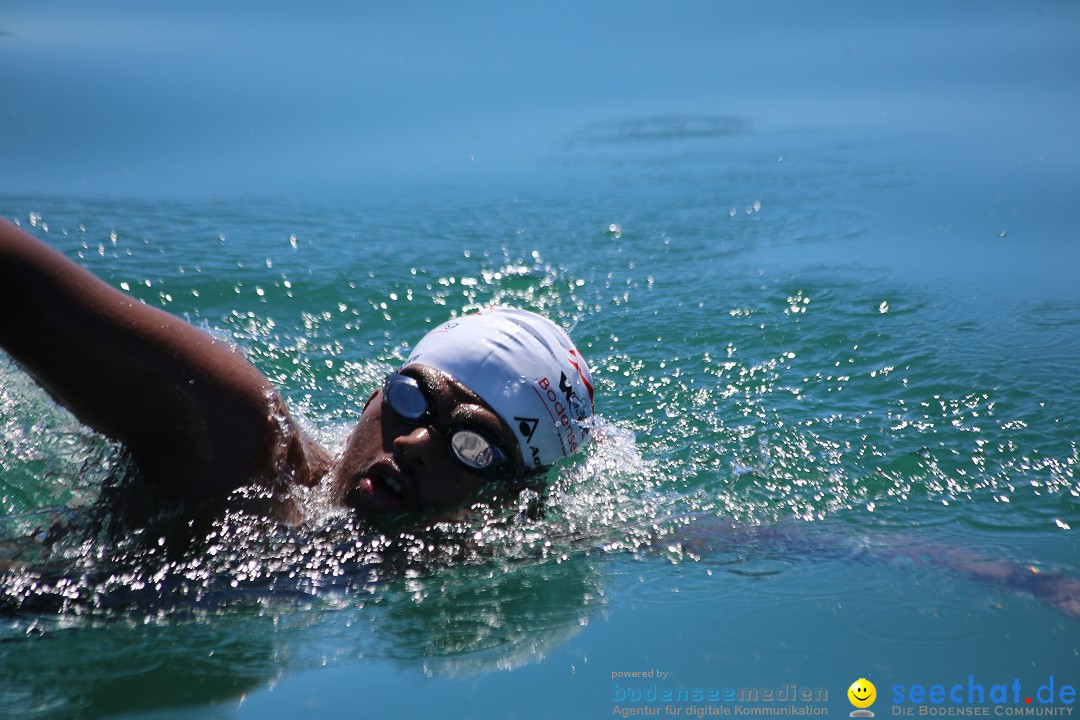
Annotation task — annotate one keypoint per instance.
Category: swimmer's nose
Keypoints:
(419, 448)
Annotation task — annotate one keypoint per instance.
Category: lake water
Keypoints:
(823, 261)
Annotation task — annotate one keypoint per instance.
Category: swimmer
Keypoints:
(486, 400)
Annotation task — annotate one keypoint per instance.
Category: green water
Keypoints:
(837, 305)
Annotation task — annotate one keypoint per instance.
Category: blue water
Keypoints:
(821, 258)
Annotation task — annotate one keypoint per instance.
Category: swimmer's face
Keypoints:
(391, 466)
(862, 693)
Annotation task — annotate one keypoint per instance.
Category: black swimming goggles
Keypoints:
(404, 396)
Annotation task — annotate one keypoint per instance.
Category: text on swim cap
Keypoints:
(563, 408)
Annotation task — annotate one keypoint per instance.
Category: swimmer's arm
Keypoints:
(193, 411)
(1057, 590)
(708, 537)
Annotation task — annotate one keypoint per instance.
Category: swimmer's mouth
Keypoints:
(380, 487)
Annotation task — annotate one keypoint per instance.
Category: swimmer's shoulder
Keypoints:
(197, 416)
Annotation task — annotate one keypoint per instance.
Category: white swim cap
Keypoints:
(526, 368)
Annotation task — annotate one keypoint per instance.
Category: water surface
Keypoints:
(822, 264)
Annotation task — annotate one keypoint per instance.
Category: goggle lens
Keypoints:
(473, 449)
(405, 398)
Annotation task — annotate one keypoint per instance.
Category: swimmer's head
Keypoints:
(526, 368)
(489, 397)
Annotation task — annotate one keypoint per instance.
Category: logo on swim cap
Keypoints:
(526, 368)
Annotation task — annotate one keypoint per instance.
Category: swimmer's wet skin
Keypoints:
(493, 397)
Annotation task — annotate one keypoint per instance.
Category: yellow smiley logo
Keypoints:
(862, 693)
